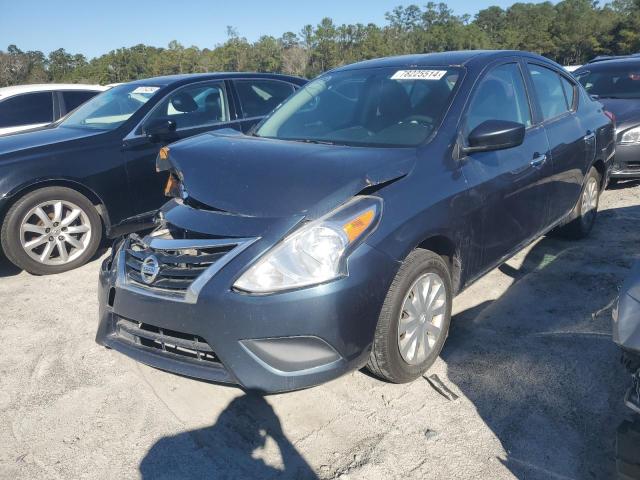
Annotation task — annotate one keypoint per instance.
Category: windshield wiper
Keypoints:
(311, 140)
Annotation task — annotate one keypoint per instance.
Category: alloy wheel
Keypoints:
(55, 232)
(420, 325)
(589, 198)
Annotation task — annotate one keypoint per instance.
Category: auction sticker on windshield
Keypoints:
(146, 90)
(418, 75)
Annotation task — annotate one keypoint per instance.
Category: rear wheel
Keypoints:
(586, 209)
(51, 230)
(414, 320)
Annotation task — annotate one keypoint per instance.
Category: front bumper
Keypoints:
(626, 162)
(270, 343)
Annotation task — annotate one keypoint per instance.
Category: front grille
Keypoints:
(164, 341)
(178, 268)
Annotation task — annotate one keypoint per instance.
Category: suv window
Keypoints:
(74, 98)
(612, 81)
(259, 97)
(192, 106)
(501, 95)
(550, 91)
(26, 109)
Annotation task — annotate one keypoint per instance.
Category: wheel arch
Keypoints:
(599, 165)
(16, 193)
(444, 246)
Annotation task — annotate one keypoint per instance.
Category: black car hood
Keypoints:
(627, 111)
(261, 177)
(41, 137)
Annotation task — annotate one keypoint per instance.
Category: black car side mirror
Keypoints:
(160, 129)
(495, 135)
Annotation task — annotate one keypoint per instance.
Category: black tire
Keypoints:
(386, 360)
(10, 236)
(582, 224)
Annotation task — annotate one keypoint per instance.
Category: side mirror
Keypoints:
(160, 129)
(495, 135)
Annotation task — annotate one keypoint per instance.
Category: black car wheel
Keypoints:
(51, 230)
(586, 209)
(414, 320)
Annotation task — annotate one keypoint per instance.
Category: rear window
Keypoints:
(26, 109)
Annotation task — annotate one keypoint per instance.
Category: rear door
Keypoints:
(572, 145)
(508, 183)
(195, 108)
(258, 97)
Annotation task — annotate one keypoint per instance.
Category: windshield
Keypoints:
(110, 109)
(619, 82)
(365, 107)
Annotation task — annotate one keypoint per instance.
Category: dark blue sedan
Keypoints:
(63, 186)
(337, 233)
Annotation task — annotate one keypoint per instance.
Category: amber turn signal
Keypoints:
(358, 225)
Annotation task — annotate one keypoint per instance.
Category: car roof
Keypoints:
(190, 77)
(45, 87)
(453, 58)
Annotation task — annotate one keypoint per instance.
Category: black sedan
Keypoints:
(62, 187)
(615, 82)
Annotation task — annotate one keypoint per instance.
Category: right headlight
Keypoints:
(631, 136)
(315, 253)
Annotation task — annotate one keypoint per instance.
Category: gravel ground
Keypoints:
(529, 356)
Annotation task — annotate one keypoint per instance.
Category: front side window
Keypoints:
(193, 106)
(501, 95)
(110, 109)
(26, 109)
(366, 107)
(259, 97)
(612, 82)
(550, 91)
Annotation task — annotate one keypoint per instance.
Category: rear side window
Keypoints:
(26, 109)
(569, 92)
(74, 98)
(501, 95)
(550, 91)
(259, 97)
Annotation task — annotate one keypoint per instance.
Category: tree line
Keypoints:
(569, 32)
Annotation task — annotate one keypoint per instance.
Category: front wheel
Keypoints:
(414, 320)
(51, 230)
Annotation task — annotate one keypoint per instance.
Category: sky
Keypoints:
(94, 28)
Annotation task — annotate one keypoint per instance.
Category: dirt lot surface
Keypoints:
(529, 356)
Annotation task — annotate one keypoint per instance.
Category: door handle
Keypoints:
(538, 160)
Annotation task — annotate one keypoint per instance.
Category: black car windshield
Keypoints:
(612, 82)
(110, 109)
(366, 107)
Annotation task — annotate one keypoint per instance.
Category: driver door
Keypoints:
(508, 182)
(195, 108)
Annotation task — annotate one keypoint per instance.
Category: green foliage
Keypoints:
(570, 32)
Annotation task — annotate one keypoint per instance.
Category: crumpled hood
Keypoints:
(627, 111)
(261, 177)
(41, 137)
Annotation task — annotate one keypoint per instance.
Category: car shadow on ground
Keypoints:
(227, 449)
(539, 364)
(622, 184)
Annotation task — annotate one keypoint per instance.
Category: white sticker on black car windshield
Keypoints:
(146, 89)
(418, 75)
